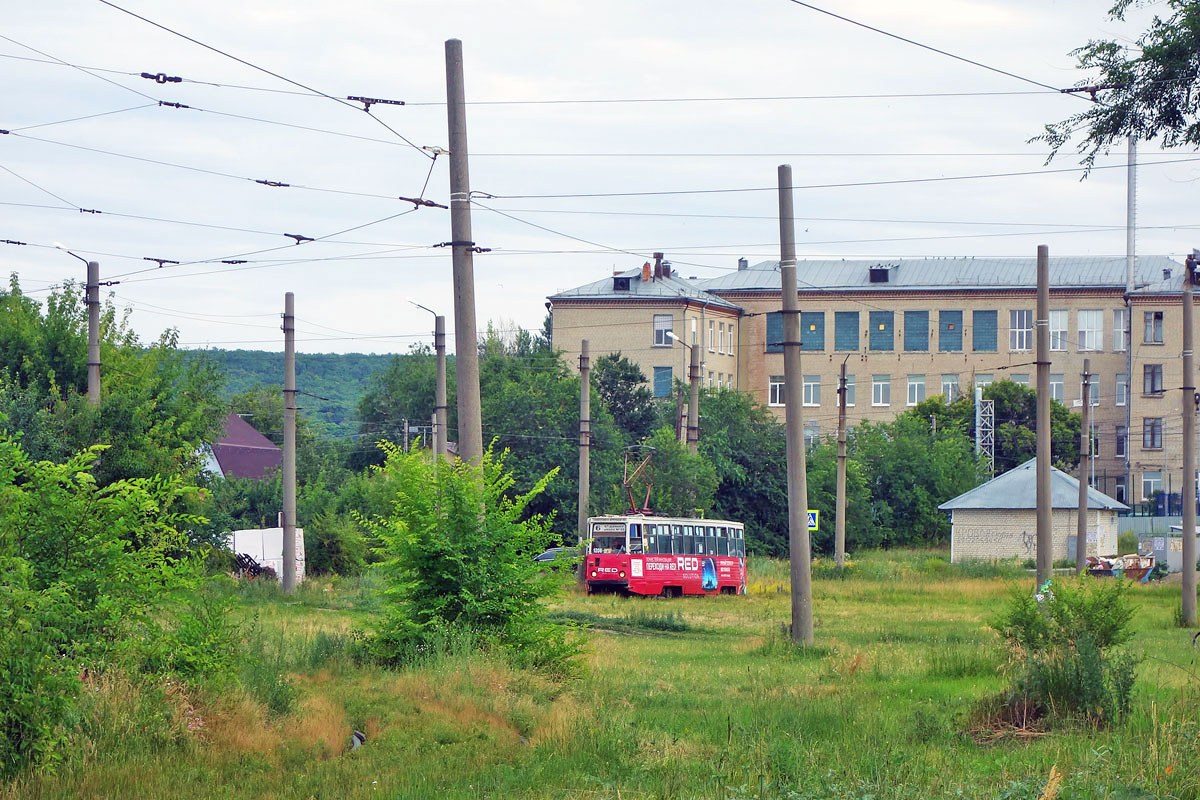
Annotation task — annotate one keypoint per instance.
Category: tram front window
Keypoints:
(608, 544)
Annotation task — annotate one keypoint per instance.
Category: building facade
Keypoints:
(908, 329)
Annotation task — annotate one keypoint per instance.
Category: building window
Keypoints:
(1091, 330)
(1120, 493)
(916, 331)
(1020, 377)
(774, 332)
(1122, 440)
(1151, 484)
(1020, 330)
(1154, 327)
(1120, 326)
(1094, 442)
(881, 390)
(1152, 379)
(1093, 391)
(720, 379)
(845, 330)
(731, 338)
(916, 389)
(812, 434)
(950, 387)
(812, 330)
(1152, 433)
(1122, 389)
(720, 337)
(881, 335)
(812, 390)
(712, 325)
(1058, 329)
(662, 381)
(662, 324)
(849, 390)
(983, 380)
(950, 331)
(695, 332)
(775, 394)
(1056, 387)
(983, 331)
(710, 378)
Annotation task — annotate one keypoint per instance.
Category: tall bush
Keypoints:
(458, 548)
(1064, 645)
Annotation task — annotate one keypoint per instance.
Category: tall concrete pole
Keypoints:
(1085, 458)
(693, 418)
(92, 299)
(839, 537)
(466, 353)
(1044, 542)
(585, 445)
(799, 547)
(288, 577)
(1130, 264)
(439, 407)
(1188, 407)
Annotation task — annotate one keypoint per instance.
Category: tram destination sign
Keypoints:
(608, 527)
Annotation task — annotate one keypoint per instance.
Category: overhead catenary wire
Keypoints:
(264, 70)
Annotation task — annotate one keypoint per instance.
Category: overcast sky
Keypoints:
(765, 69)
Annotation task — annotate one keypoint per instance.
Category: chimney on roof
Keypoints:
(658, 266)
(1167, 274)
(743, 264)
(646, 272)
(666, 269)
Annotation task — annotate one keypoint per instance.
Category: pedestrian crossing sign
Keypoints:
(814, 520)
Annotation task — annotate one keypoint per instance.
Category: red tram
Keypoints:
(651, 555)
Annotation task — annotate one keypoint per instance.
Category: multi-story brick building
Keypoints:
(913, 328)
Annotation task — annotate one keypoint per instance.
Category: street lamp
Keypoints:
(693, 423)
(440, 430)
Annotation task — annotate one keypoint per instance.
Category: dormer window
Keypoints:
(620, 284)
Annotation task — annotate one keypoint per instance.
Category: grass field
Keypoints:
(685, 698)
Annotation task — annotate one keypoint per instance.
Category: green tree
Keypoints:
(861, 533)
(910, 470)
(626, 393)
(683, 484)
(457, 548)
(1155, 85)
(404, 390)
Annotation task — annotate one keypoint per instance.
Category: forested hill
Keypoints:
(339, 378)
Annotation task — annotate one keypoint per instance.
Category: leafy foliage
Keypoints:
(624, 388)
(458, 550)
(1064, 644)
(88, 574)
(1154, 86)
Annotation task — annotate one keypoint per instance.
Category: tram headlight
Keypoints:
(621, 573)
(593, 573)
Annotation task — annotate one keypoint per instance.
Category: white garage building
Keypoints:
(999, 519)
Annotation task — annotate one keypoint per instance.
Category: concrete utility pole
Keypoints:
(1044, 542)
(693, 421)
(466, 346)
(585, 444)
(839, 537)
(1188, 407)
(799, 547)
(1085, 458)
(288, 578)
(440, 427)
(1130, 264)
(92, 298)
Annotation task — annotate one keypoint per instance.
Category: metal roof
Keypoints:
(243, 452)
(954, 273)
(1017, 488)
(672, 288)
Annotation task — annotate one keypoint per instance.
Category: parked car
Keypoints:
(560, 554)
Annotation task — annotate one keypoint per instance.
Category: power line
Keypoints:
(42, 189)
(729, 99)
(922, 46)
(266, 71)
(81, 69)
(203, 170)
(852, 184)
(87, 116)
